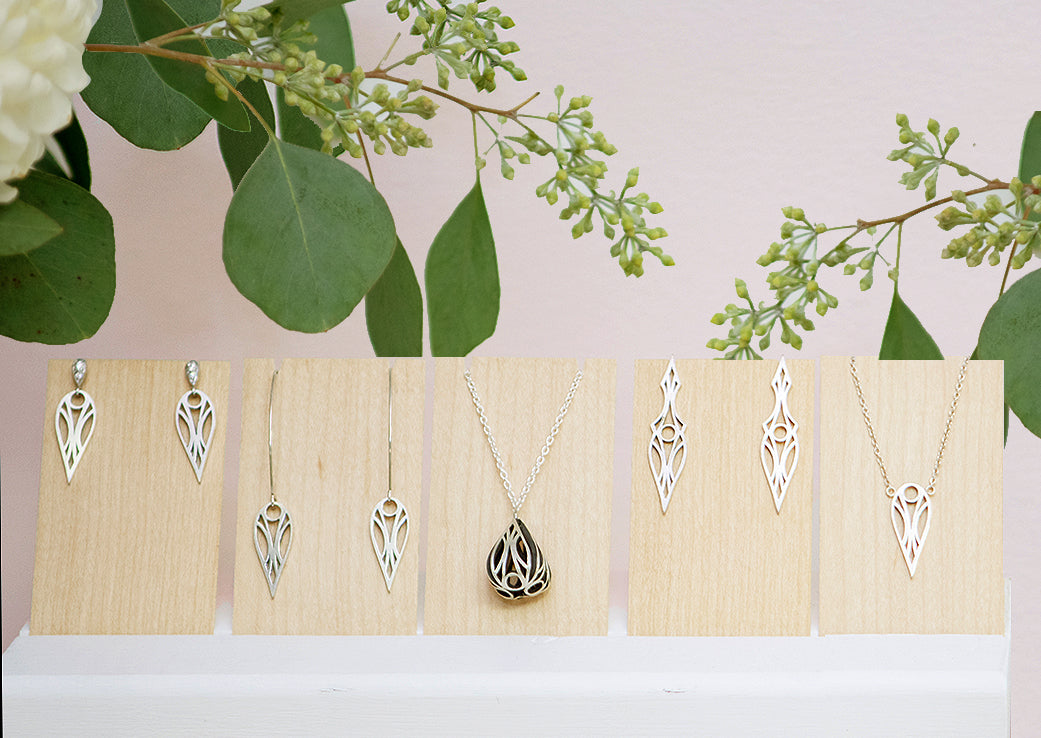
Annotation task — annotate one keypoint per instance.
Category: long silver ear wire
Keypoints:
(388, 526)
(195, 421)
(74, 421)
(273, 528)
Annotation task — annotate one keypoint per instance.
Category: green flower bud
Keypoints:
(901, 120)
(787, 229)
(633, 177)
(741, 288)
(866, 281)
(812, 287)
(849, 269)
(820, 228)
(822, 307)
(905, 136)
(951, 136)
(798, 214)
(933, 127)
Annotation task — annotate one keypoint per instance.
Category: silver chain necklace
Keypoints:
(516, 566)
(911, 509)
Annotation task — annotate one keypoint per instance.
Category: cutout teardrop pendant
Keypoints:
(195, 423)
(388, 529)
(779, 450)
(74, 425)
(516, 566)
(910, 514)
(272, 536)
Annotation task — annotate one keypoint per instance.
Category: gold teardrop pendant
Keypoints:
(516, 566)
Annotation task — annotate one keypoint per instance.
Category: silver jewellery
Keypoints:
(516, 566)
(779, 451)
(195, 421)
(667, 450)
(388, 526)
(74, 421)
(273, 527)
(911, 508)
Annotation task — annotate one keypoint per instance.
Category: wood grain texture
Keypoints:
(330, 470)
(864, 584)
(722, 561)
(568, 510)
(130, 546)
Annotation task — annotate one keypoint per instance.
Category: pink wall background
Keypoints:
(730, 111)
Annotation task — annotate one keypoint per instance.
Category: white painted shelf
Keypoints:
(954, 685)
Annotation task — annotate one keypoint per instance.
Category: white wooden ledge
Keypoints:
(433, 685)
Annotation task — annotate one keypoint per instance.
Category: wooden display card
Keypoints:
(130, 545)
(721, 561)
(568, 509)
(330, 427)
(864, 582)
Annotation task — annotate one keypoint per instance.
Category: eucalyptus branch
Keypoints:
(994, 224)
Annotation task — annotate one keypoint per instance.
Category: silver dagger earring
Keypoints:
(273, 527)
(388, 526)
(195, 420)
(74, 421)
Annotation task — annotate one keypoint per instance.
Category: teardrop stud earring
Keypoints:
(195, 420)
(74, 421)
(273, 527)
(388, 526)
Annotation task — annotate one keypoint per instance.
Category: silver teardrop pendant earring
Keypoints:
(273, 527)
(195, 420)
(74, 421)
(516, 566)
(388, 526)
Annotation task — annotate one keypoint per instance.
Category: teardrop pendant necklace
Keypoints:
(516, 566)
(911, 507)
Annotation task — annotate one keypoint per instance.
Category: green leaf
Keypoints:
(62, 291)
(24, 228)
(125, 91)
(305, 237)
(294, 10)
(241, 149)
(394, 309)
(904, 336)
(153, 18)
(1012, 332)
(462, 279)
(74, 146)
(47, 163)
(335, 45)
(1030, 157)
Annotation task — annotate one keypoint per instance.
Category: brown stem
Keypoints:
(181, 56)
(994, 184)
(159, 40)
(472, 107)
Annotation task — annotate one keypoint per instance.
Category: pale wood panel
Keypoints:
(864, 584)
(130, 546)
(330, 470)
(721, 561)
(568, 510)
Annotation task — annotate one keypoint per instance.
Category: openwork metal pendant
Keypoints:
(74, 421)
(195, 421)
(516, 566)
(780, 447)
(273, 535)
(667, 450)
(911, 511)
(388, 529)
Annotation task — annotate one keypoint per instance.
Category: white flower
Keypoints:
(41, 66)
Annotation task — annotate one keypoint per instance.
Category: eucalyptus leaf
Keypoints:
(1030, 156)
(294, 10)
(462, 279)
(240, 149)
(62, 291)
(334, 45)
(24, 227)
(394, 309)
(73, 145)
(1012, 332)
(904, 336)
(125, 91)
(152, 18)
(305, 237)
